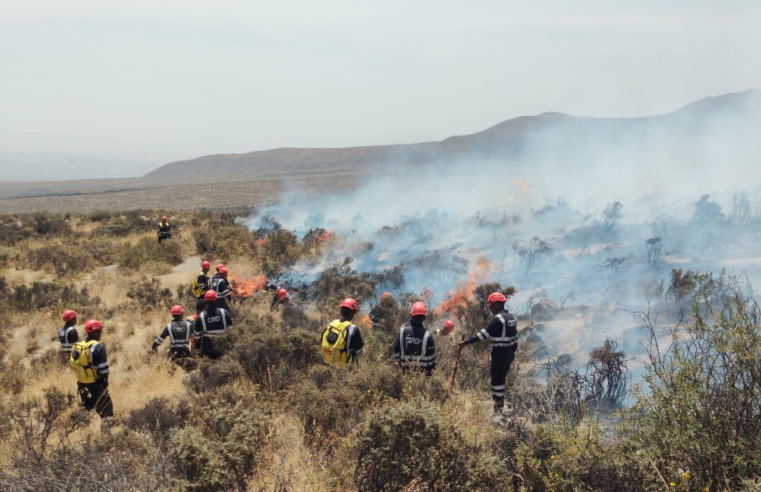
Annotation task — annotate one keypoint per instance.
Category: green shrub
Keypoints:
(224, 242)
(274, 360)
(409, 443)
(159, 416)
(148, 251)
(99, 216)
(221, 450)
(697, 410)
(212, 375)
(59, 258)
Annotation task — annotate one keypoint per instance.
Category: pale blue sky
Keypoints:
(186, 78)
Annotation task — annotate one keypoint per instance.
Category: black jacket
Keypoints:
(68, 336)
(212, 322)
(502, 331)
(414, 347)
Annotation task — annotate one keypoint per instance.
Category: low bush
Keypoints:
(409, 444)
(274, 360)
(147, 251)
(60, 259)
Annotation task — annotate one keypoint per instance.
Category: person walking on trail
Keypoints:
(446, 329)
(67, 335)
(414, 348)
(502, 331)
(221, 287)
(89, 359)
(341, 341)
(201, 284)
(165, 230)
(179, 332)
(281, 297)
(212, 325)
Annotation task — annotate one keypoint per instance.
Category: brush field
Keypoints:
(272, 416)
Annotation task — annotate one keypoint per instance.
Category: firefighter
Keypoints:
(221, 287)
(164, 230)
(447, 329)
(219, 266)
(179, 332)
(384, 314)
(89, 359)
(280, 297)
(414, 347)
(341, 341)
(67, 335)
(201, 284)
(211, 326)
(503, 333)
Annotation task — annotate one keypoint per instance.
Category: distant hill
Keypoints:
(545, 136)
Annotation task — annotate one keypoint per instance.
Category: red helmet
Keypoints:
(177, 310)
(93, 325)
(496, 297)
(349, 303)
(385, 295)
(282, 294)
(220, 266)
(223, 271)
(205, 265)
(418, 309)
(69, 315)
(163, 218)
(210, 296)
(448, 325)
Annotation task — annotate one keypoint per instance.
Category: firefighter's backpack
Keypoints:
(334, 340)
(80, 360)
(198, 289)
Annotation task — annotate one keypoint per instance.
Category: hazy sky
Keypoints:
(186, 78)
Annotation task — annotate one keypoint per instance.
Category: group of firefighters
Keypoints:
(341, 340)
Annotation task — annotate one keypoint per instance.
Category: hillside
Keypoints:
(516, 138)
(704, 132)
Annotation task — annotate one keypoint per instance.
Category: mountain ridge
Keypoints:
(508, 139)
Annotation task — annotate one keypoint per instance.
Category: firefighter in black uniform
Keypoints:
(447, 329)
(201, 284)
(67, 335)
(503, 333)
(281, 297)
(414, 347)
(91, 363)
(211, 326)
(385, 314)
(221, 287)
(165, 230)
(179, 332)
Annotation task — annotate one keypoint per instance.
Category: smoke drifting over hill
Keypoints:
(582, 225)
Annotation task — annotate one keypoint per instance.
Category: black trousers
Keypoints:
(500, 364)
(96, 396)
(210, 348)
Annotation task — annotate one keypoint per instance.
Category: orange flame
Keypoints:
(260, 242)
(246, 288)
(455, 302)
(365, 323)
(325, 235)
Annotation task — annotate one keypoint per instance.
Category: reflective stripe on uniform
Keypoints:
(504, 340)
(421, 360)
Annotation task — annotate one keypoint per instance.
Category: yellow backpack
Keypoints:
(80, 360)
(334, 339)
(198, 290)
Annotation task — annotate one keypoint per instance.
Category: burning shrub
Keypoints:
(406, 443)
